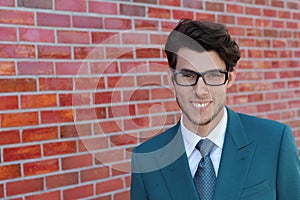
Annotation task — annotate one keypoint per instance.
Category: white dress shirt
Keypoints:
(191, 139)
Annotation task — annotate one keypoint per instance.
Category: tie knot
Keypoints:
(205, 146)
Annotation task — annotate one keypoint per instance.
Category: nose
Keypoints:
(200, 88)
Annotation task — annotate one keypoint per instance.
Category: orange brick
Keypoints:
(78, 192)
(17, 51)
(17, 85)
(46, 4)
(39, 134)
(7, 68)
(19, 119)
(60, 180)
(46, 196)
(94, 174)
(78, 161)
(108, 186)
(159, 13)
(41, 167)
(71, 5)
(16, 17)
(24, 186)
(54, 52)
(56, 148)
(21, 153)
(10, 171)
(38, 101)
(56, 84)
(8, 102)
(9, 137)
(73, 37)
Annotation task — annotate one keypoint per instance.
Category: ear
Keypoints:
(170, 79)
(231, 78)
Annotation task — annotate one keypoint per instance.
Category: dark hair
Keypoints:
(202, 36)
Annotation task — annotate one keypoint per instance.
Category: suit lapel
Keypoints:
(177, 175)
(235, 161)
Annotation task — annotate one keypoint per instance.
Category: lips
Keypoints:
(201, 105)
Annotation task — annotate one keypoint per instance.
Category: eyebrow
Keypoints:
(191, 71)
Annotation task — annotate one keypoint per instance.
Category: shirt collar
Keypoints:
(217, 135)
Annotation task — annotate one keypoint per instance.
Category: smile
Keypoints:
(201, 105)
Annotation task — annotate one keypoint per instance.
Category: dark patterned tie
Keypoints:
(205, 177)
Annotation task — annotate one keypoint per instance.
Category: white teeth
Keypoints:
(200, 105)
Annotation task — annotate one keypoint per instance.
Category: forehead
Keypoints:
(199, 61)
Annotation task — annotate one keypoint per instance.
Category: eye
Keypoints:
(188, 75)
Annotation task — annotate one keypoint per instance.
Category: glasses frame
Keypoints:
(200, 74)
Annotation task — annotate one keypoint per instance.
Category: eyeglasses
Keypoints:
(190, 78)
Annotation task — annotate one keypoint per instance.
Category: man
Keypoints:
(213, 152)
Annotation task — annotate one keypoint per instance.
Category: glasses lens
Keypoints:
(214, 77)
(186, 78)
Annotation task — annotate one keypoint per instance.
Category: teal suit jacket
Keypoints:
(259, 161)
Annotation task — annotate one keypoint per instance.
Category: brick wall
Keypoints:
(83, 81)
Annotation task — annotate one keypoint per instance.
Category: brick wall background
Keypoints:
(83, 81)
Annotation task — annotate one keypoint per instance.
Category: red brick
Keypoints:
(78, 161)
(117, 23)
(90, 113)
(212, 6)
(45, 196)
(75, 131)
(1, 187)
(73, 37)
(35, 68)
(124, 139)
(134, 38)
(89, 83)
(255, 97)
(71, 5)
(9, 102)
(120, 82)
(264, 107)
(21, 153)
(145, 24)
(146, 1)
(54, 52)
(39, 134)
(226, 19)
(87, 22)
(253, 11)
(7, 3)
(292, 5)
(158, 39)
(148, 53)
(24, 186)
(74, 99)
(170, 2)
(121, 111)
(78, 192)
(161, 93)
(17, 51)
(36, 35)
(9, 137)
(89, 53)
(95, 143)
(16, 17)
(148, 80)
(104, 68)
(60, 180)
(57, 116)
(245, 21)
(57, 148)
(137, 95)
(119, 52)
(108, 186)
(122, 195)
(269, 13)
(19, 119)
(132, 10)
(105, 37)
(55, 20)
(46, 4)
(56, 84)
(103, 7)
(8, 34)
(94, 174)
(107, 97)
(70, 68)
(133, 67)
(10, 171)
(38, 101)
(109, 156)
(179, 14)
(277, 3)
(136, 123)
(7, 68)
(159, 13)
(108, 127)
(40, 167)
(193, 4)
(235, 9)
(261, 2)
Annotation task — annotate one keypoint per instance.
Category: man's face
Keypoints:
(201, 105)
